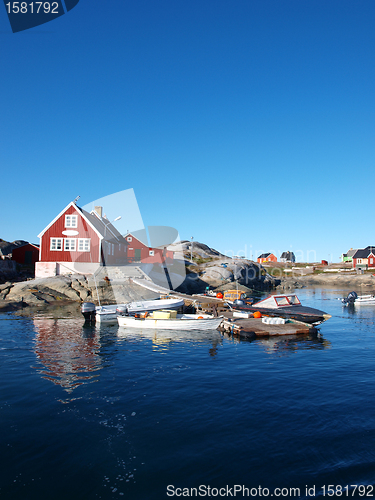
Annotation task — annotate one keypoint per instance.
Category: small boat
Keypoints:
(109, 313)
(284, 306)
(231, 296)
(161, 320)
(354, 299)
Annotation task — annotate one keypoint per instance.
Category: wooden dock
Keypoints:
(252, 327)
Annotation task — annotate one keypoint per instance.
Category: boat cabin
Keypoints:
(275, 301)
(232, 295)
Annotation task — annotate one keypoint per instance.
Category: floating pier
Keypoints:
(254, 327)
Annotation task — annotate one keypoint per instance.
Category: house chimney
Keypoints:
(99, 211)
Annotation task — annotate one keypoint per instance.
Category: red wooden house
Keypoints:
(140, 252)
(364, 258)
(26, 254)
(266, 257)
(78, 241)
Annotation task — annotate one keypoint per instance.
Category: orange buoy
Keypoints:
(200, 317)
(219, 295)
(257, 314)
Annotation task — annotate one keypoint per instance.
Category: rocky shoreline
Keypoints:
(205, 269)
(355, 281)
(43, 293)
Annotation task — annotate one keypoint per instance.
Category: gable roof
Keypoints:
(363, 253)
(287, 255)
(140, 241)
(26, 244)
(351, 252)
(97, 223)
(264, 255)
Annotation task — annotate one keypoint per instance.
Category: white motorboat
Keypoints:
(109, 313)
(357, 300)
(284, 306)
(160, 320)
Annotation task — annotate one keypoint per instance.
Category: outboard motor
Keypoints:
(122, 310)
(88, 310)
(350, 299)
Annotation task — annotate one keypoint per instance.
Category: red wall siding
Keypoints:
(55, 231)
(18, 254)
(145, 252)
(270, 258)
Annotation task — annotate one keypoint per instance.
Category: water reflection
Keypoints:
(166, 339)
(68, 352)
(284, 345)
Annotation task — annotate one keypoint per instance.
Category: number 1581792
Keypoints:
(32, 8)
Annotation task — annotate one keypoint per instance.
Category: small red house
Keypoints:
(78, 241)
(139, 252)
(266, 257)
(364, 258)
(26, 254)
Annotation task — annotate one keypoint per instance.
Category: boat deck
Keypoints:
(252, 327)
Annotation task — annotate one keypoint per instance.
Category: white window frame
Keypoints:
(70, 244)
(151, 253)
(129, 238)
(84, 244)
(359, 261)
(54, 242)
(71, 220)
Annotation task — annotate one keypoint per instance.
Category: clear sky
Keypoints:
(247, 124)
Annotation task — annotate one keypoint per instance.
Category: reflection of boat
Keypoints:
(354, 299)
(159, 320)
(109, 313)
(284, 306)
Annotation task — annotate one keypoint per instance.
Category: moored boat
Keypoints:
(284, 306)
(354, 299)
(109, 313)
(160, 321)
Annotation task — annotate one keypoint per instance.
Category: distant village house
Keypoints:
(348, 256)
(364, 258)
(287, 257)
(266, 257)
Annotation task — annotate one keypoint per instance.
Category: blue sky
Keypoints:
(249, 125)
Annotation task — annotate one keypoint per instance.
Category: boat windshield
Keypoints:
(282, 301)
(287, 300)
(293, 299)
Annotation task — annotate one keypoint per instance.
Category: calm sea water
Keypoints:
(90, 413)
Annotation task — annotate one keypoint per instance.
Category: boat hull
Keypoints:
(182, 322)
(108, 314)
(298, 313)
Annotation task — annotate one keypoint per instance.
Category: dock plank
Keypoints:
(254, 326)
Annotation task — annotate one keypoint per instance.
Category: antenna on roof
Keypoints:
(76, 199)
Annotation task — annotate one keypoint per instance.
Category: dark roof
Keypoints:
(287, 255)
(363, 253)
(264, 255)
(103, 226)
